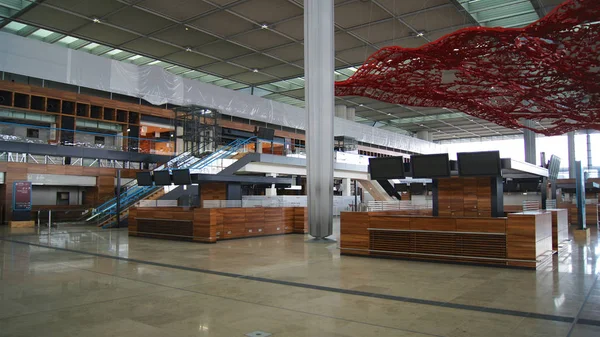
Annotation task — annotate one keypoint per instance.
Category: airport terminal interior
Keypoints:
(300, 168)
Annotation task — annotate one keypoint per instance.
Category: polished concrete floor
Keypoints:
(78, 281)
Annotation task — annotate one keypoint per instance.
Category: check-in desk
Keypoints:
(212, 224)
(520, 240)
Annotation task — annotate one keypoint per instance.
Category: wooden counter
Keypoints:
(212, 224)
(523, 240)
(560, 226)
(528, 238)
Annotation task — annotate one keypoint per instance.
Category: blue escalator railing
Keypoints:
(134, 193)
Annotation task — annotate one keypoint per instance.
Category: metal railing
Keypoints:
(396, 205)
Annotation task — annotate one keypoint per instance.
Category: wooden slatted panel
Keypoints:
(182, 229)
(455, 244)
(392, 241)
(435, 243)
(490, 246)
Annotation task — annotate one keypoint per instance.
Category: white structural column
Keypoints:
(271, 192)
(588, 138)
(424, 135)
(571, 153)
(346, 187)
(340, 111)
(529, 140)
(350, 114)
(319, 77)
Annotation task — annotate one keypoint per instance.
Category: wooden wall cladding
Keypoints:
(469, 197)
(213, 191)
(300, 220)
(528, 238)
(274, 222)
(288, 219)
(211, 224)
(234, 222)
(205, 224)
(560, 227)
(104, 182)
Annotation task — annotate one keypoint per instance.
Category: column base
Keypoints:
(21, 224)
(320, 240)
(581, 235)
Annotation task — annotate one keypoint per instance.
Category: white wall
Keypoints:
(46, 195)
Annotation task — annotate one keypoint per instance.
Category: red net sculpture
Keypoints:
(548, 71)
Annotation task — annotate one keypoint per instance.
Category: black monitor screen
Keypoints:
(430, 166)
(386, 168)
(417, 188)
(401, 187)
(162, 178)
(144, 178)
(473, 164)
(264, 133)
(182, 177)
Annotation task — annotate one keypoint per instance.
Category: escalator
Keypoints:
(105, 214)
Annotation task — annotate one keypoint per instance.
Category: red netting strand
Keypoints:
(548, 72)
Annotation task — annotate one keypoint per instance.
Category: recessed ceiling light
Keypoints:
(96, 20)
(187, 28)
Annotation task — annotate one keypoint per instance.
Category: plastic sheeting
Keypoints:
(154, 84)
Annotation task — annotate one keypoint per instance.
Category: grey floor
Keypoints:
(77, 281)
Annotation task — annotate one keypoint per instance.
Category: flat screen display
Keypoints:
(162, 178)
(430, 166)
(265, 133)
(477, 164)
(144, 178)
(386, 168)
(182, 177)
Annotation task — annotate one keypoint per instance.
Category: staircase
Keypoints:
(105, 214)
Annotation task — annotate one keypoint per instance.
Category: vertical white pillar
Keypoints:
(571, 148)
(346, 187)
(340, 111)
(424, 135)
(589, 150)
(259, 146)
(350, 114)
(529, 141)
(318, 74)
(272, 191)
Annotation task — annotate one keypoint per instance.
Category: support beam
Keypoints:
(318, 68)
(571, 151)
(529, 140)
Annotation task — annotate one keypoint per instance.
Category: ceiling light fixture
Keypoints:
(187, 28)
(421, 34)
(96, 20)
(361, 105)
(188, 49)
(264, 26)
(254, 70)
